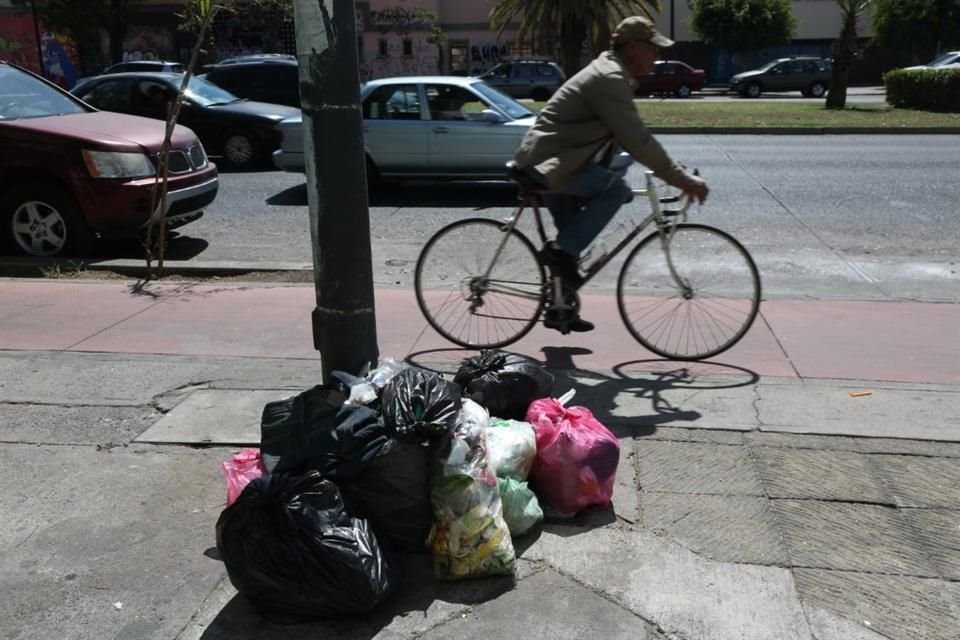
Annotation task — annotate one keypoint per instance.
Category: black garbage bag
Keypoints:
(419, 404)
(393, 493)
(316, 430)
(504, 383)
(291, 549)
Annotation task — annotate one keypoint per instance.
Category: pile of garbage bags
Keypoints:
(400, 459)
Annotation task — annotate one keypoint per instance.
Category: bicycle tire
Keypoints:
(713, 315)
(463, 306)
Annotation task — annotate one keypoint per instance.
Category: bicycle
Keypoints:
(686, 291)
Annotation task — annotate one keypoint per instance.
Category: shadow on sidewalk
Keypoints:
(418, 594)
(657, 380)
(420, 194)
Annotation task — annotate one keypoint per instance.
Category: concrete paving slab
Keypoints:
(896, 607)
(869, 340)
(724, 528)
(569, 612)
(923, 482)
(820, 475)
(694, 468)
(106, 544)
(937, 528)
(214, 416)
(57, 424)
(885, 413)
(95, 379)
(850, 537)
(853, 444)
(687, 596)
(827, 625)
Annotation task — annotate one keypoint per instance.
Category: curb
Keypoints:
(39, 267)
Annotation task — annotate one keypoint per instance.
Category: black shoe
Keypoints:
(555, 320)
(561, 264)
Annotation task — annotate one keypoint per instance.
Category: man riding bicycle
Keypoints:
(574, 140)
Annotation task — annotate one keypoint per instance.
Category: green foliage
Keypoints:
(916, 26)
(743, 25)
(545, 24)
(195, 13)
(925, 89)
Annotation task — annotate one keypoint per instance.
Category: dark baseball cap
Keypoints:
(639, 28)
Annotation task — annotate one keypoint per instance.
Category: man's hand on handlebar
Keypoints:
(694, 187)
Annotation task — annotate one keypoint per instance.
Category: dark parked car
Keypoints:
(258, 57)
(534, 79)
(809, 76)
(267, 80)
(69, 172)
(243, 133)
(670, 77)
(145, 65)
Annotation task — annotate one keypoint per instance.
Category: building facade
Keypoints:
(396, 37)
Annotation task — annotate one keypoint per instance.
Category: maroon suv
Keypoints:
(70, 173)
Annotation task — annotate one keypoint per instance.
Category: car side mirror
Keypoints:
(491, 116)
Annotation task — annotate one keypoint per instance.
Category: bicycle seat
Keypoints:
(522, 178)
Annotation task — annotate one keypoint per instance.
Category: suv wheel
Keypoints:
(240, 149)
(683, 91)
(540, 94)
(817, 89)
(40, 219)
(753, 90)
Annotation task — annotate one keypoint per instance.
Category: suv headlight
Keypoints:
(112, 164)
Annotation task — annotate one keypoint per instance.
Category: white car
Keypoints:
(428, 127)
(947, 59)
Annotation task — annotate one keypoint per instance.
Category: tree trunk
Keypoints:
(117, 34)
(844, 48)
(572, 33)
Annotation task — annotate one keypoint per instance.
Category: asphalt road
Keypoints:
(854, 217)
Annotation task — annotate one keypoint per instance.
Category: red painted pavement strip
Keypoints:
(908, 342)
(53, 315)
(892, 341)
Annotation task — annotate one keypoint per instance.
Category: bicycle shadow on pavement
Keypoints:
(613, 397)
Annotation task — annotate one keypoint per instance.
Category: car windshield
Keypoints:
(769, 65)
(946, 58)
(23, 96)
(207, 94)
(501, 100)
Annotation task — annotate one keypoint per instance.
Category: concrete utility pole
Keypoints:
(344, 320)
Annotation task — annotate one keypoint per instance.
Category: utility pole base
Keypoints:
(346, 343)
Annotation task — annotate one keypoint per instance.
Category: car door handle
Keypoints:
(441, 130)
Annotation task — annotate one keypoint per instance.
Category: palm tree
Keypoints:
(844, 49)
(543, 23)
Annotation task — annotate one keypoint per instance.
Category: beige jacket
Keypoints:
(592, 109)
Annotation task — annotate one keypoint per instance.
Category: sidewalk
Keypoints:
(756, 497)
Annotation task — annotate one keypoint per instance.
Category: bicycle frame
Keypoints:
(665, 219)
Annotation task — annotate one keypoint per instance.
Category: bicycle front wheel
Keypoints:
(479, 286)
(700, 308)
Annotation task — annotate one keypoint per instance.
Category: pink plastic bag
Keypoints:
(240, 470)
(577, 457)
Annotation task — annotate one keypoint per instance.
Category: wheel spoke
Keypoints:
(466, 304)
(714, 314)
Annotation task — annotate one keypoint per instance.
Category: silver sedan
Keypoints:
(428, 127)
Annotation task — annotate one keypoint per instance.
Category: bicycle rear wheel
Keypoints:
(473, 296)
(708, 311)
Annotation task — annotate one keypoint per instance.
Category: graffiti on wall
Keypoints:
(18, 44)
(146, 43)
(485, 56)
